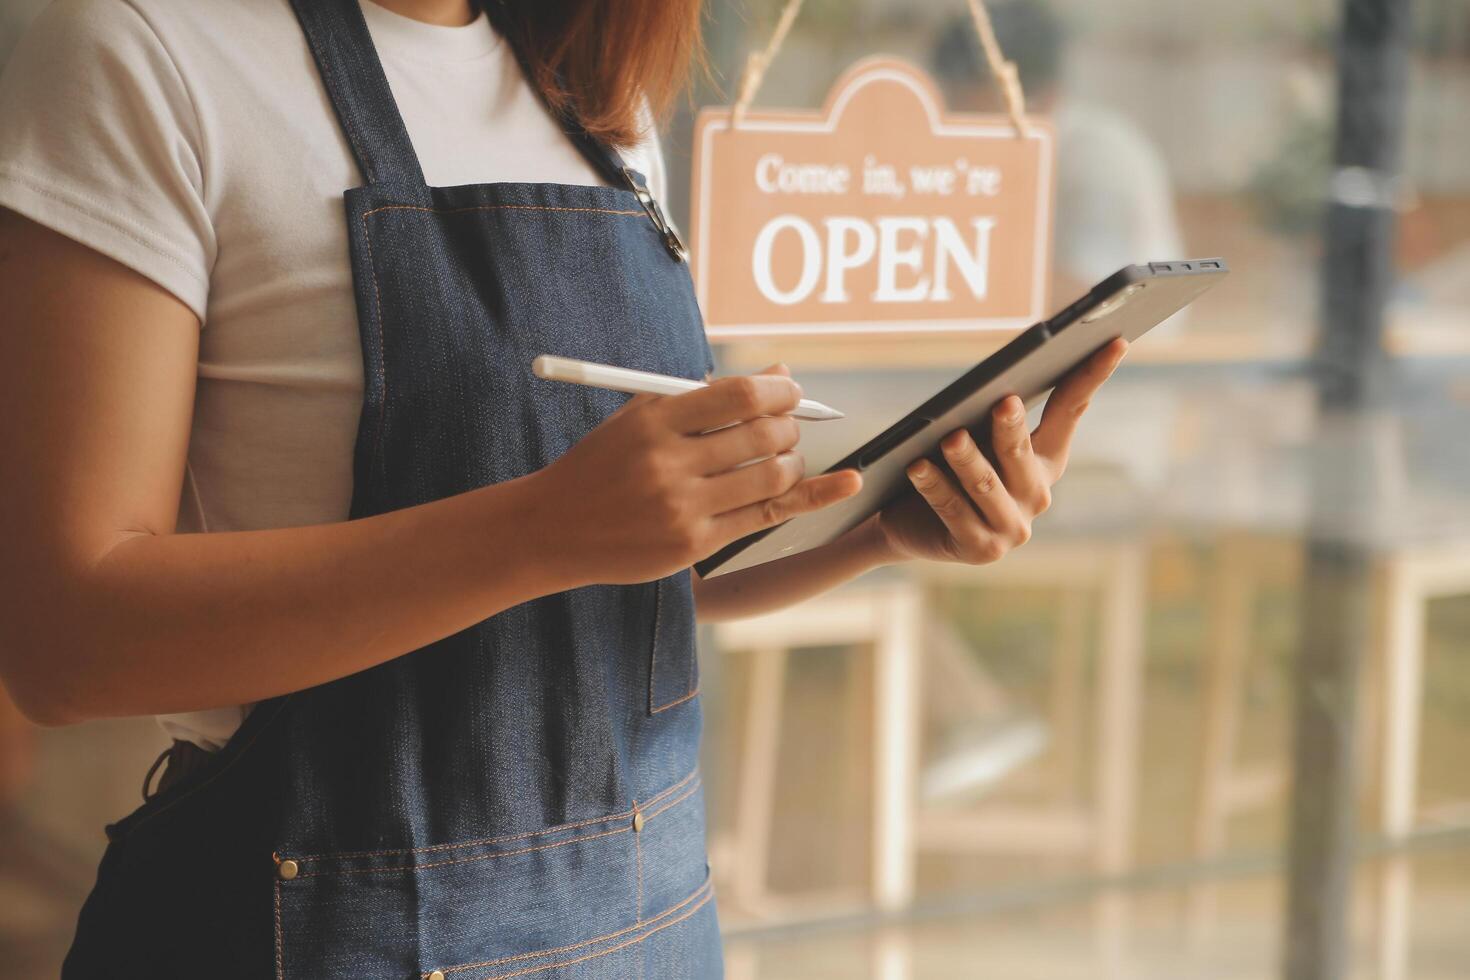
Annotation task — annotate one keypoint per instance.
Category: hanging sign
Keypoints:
(879, 214)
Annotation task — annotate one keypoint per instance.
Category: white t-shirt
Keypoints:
(192, 141)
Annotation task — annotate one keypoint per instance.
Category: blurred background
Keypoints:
(1211, 722)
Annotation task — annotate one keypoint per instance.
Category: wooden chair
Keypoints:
(882, 614)
(1407, 582)
(1407, 579)
(1100, 829)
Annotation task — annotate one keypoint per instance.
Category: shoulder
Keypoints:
(69, 33)
(120, 23)
(140, 33)
(82, 78)
(117, 42)
(100, 128)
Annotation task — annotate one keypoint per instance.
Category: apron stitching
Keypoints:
(638, 917)
(693, 666)
(638, 911)
(498, 207)
(638, 849)
(280, 936)
(676, 701)
(662, 795)
(650, 814)
(612, 949)
(478, 857)
(367, 236)
(500, 854)
(666, 913)
(658, 603)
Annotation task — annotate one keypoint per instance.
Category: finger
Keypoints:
(726, 448)
(637, 401)
(759, 481)
(729, 400)
(977, 476)
(1026, 479)
(1053, 437)
(806, 496)
(775, 370)
(970, 538)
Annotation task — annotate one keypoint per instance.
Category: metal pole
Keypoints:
(1357, 275)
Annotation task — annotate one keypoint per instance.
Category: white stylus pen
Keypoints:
(554, 368)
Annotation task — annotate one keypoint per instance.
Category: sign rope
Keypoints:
(1003, 71)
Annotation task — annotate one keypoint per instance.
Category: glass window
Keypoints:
(1117, 727)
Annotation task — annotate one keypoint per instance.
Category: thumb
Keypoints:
(777, 368)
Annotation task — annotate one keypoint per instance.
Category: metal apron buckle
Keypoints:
(656, 215)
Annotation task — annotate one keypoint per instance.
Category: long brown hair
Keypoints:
(600, 59)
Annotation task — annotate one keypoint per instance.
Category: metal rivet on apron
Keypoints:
(637, 822)
(436, 975)
(287, 870)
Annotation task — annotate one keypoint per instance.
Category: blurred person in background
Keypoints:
(1114, 198)
(1114, 206)
(427, 651)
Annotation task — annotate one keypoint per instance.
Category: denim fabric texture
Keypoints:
(521, 798)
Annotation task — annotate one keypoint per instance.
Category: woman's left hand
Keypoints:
(979, 506)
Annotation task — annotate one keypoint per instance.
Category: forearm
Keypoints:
(778, 584)
(174, 622)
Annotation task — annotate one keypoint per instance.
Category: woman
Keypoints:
(431, 673)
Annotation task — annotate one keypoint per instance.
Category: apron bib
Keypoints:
(521, 798)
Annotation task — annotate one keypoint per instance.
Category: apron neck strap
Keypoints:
(348, 62)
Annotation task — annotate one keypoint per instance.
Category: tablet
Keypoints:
(1128, 304)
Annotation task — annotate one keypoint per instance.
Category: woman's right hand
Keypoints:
(659, 484)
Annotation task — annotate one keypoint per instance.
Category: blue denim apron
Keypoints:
(521, 798)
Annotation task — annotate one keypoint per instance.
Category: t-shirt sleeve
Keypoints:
(99, 141)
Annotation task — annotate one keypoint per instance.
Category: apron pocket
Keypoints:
(673, 668)
(565, 903)
(678, 934)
